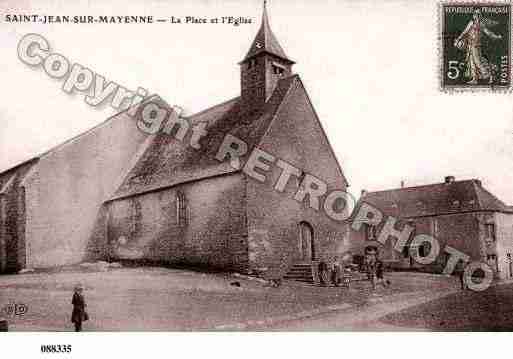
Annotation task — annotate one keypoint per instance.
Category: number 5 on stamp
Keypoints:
(475, 46)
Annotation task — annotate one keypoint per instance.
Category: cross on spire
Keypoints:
(265, 41)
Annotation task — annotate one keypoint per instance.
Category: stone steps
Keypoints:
(300, 272)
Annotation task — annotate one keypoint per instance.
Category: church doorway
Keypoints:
(306, 243)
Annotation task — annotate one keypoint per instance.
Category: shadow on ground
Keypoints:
(490, 310)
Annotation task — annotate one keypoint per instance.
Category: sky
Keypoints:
(370, 68)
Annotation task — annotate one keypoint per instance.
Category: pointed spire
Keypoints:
(265, 17)
(265, 41)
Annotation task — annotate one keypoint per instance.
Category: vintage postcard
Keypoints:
(220, 166)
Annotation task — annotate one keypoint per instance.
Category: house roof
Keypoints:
(168, 162)
(266, 42)
(436, 199)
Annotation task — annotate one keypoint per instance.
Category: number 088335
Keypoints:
(56, 348)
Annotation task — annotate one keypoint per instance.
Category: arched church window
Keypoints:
(181, 209)
(135, 217)
(252, 63)
(490, 231)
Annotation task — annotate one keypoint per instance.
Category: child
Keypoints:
(335, 272)
(380, 270)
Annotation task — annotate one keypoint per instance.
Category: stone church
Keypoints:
(116, 193)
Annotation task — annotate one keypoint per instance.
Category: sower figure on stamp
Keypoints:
(478, 66)
(79, 313)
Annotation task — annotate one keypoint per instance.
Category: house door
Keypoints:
(306, 242)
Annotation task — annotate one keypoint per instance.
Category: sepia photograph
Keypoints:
(229, 166)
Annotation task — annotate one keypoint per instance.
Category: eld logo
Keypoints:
(14, 309)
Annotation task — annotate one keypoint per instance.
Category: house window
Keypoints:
(371, 232)
(490, 231)
(181, 209)
(135, 217)
(424, 250)
(434, 227)
(406, 251)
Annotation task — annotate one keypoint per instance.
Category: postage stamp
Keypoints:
(475, 46)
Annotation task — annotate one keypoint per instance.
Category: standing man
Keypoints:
(462, 279)
(335, 272)
(79, 313)
(380, 271)
(371, 254)
(371, 273)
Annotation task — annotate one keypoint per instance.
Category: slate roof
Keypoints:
(6, 183)
(436, 199)
(168, 161)
(266, 42)
(33, 160)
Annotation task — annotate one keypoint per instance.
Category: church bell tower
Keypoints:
(262, 67)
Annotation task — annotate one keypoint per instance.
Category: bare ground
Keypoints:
(161, 299)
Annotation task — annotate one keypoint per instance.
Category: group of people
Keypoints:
(335, 273)
(375, 269)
